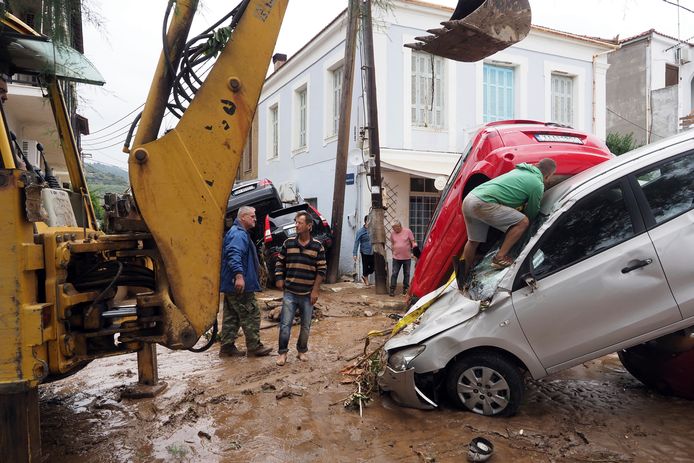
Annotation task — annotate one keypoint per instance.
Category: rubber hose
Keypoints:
(213, 338)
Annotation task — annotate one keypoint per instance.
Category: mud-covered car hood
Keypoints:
(451, 309)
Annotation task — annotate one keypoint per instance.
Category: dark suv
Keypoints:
(260, 194)
(279, 225)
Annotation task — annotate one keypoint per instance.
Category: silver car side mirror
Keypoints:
(529, 280)
(503, 290)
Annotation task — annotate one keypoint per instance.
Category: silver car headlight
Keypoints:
(400, 360)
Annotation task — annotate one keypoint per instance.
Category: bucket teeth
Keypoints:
(426, 38)
(414, 46)
(439, 31)
(451, 24)
(489, 27)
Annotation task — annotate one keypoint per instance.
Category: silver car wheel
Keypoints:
(483, 390)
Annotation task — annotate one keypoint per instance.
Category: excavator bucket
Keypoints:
(477, 29)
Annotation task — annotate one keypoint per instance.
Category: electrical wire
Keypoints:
(679, 6)
(116, 122)
(122, 128)
(99, 148)
(634, 123)
(106, 140)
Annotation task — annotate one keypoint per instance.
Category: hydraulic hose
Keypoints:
(213, 338)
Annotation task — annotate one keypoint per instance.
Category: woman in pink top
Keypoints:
(401, 242)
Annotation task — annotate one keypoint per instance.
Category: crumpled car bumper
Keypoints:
(403, 389)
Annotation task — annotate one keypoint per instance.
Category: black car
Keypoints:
(260, 194)
(279, 225)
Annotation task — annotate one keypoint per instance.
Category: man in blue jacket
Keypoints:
(239, 283)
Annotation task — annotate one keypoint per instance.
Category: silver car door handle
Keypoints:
(638, 264)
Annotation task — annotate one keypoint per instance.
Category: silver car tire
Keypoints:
(485, 383)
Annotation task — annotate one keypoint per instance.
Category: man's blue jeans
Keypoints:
(290, 304)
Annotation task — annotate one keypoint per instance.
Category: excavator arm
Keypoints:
(181, 181)
(72, 292)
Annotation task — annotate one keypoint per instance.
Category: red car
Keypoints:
(494, 150)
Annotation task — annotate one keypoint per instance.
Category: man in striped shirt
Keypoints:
(300, 270)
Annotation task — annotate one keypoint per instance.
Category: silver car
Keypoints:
(609, 267)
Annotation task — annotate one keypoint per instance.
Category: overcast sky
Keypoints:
(126, 47)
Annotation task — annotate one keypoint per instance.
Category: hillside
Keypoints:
(103, 178)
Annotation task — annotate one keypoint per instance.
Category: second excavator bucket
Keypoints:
(477, 29)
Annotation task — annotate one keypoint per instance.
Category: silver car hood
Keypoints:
(451, 309)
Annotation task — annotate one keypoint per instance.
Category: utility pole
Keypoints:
(343, 140)
(378, 228)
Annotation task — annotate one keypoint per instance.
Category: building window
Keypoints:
(274, 132)
(563, 99)
(672, 75)
(421, 210)
(427, 90)
(499, 96)
(301, 118)
(422, 185)
(423, 199)
(337, 76)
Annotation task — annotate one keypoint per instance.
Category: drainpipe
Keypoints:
(649, 116)
(595, 90)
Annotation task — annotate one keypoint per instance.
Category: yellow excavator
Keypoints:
(71, 292)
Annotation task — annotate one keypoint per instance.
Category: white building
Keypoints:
(650, 86)
(427, 107)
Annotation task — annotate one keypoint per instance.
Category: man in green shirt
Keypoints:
(497, 203)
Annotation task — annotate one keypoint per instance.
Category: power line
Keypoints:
(106, 134)
(100, 142)
(186, 86)
(679, 6)
(115, 122)
(634, 123)
(97, 148)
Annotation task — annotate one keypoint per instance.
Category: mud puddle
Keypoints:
(250, 410)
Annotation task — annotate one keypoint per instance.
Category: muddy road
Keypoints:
(250, 410)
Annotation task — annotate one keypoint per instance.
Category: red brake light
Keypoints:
(325, 222)
(264, 182)
(267, 235)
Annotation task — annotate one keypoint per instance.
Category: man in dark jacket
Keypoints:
(363, 241)
(239, 284)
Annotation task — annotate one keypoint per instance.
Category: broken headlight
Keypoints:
(400, 360)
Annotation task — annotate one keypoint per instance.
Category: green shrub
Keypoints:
(620, 144)
(97, 204)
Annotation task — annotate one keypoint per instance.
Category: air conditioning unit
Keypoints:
(29, 149)
(683, 54)
(288, 193)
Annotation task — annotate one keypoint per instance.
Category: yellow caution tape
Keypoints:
(374, 333)
(413, 316)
